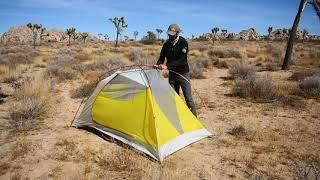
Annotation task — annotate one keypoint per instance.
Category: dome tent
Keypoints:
(139, 108)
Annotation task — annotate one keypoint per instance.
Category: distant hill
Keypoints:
(22, 34)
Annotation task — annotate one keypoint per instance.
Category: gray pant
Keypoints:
(176, 82)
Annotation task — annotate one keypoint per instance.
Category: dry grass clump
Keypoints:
(11, 78)
(65, 149)
(310, 87)
(307, 167)
(224, 53)
(4, 167)
(274, 51)
(30, 103)
(257, 88)
(314, 54)
(220, 64)
(13, 55)
(199, 46)
(272, 67)
(84, 90)
(197, 68)
(302, 74)
(61, 67)
(82, 56)
(139, 57)
(136, 55)
(20, 148)
(99, 67)
(237, 131)
(111, 64)
(241, 70)
(121, 161)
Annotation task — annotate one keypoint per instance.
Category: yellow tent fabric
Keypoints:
(139, 108)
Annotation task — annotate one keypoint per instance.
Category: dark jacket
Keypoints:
(176, 55)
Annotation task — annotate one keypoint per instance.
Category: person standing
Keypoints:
(175, 51)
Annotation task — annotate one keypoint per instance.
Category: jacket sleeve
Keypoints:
(182, 60)
(162, 56)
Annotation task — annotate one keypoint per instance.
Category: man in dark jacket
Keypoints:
(175, 50)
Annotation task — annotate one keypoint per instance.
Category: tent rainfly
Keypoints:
(139, 108)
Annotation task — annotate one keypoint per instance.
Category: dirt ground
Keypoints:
(273, 142)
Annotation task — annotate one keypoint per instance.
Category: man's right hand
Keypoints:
(156, 66)
(160, 66)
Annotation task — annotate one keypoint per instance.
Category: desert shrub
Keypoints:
(306, 167)
(124, 160)
(11, 78)
(204, 63)
(314, 54)
(257, 88)
(84, 90)
(224, 53)
(197, 68)
(105, 65)
(82, 56)
(199, 46)
(196, 73)
(241, 70)
(61, 67)
(151, 38)
(65, 150)
(138, 57)
(111, 64)
(302, 74)
(310, 87)
(237, 131)
(12, 56)
(220, 64)
(292, 101)
(30, 103)
(21, 148)
(272, 67)
(274, 51)
(99, 50)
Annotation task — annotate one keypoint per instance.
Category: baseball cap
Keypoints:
(173, 29)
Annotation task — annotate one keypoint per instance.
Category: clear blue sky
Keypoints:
(194, 16)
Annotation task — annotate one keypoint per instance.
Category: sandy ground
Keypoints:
(274, 137)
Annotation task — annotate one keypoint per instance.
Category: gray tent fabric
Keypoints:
(164, 96)
(122, 88)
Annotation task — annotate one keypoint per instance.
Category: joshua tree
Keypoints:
(84, 36)
(99, 35)
(151, 36)
(316, 5)
(215, 30)
(35, 30)
(269, 31)
(1, 37)
(224, 31)
(135, 34)
(305, 34)
(292, 36)
(159, 31)
(192, 37)
(293, 32)
(126, 38)
(75, 36)
(70, 32)
(120, 25)
(106, 37)
(43, 33)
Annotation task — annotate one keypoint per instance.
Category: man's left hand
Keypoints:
(163, 67)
